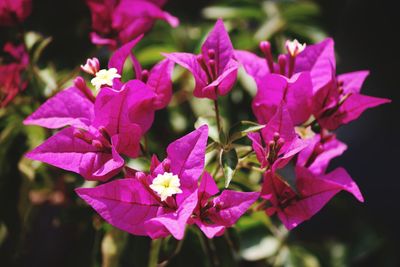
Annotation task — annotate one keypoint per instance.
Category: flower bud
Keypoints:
(92, 66)
(140, 176)
(276, 136)
(265, 47)
(145, 76)
(294, 47)
(280, 142)
(97, 144)
(166, 165)
(282, 64)
(211, 53)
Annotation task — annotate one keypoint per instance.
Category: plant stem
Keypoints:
(217, 117)
(154, 252)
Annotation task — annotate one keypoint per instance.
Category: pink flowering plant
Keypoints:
(109, 123)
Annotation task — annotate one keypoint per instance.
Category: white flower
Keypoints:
(105, 77)
(294, 47)
(166, 185)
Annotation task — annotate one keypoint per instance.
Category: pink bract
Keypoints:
(14, 12)
(215, 69)
(311, 195)
(131, 205)
(98, 131)
(12, 81)
(278, 142)
(214, 214)
(116, 22)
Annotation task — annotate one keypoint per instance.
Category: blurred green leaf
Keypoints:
(212, 127)
(300, 257)
(229, 161)
(152, 53)
(38, 50)
(216, 12)
(265, 248)
(242, 128)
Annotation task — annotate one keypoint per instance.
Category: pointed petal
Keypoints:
(96, 39)
(210, 230)
(280, 123)
(294, 93)
(127, 141)
(298, 97)
(173, 222)
(223, 83)
(132, 22)
(119, 57)
(325, 98)
(187, 156)
(341, 178)
(258, 148)
(153, 164)
(315, 193)
(218, 40)
(160, 82)
(122, 111)
(124, 203)
(207, 188)
(67, 152)
(189, 62)
(69, 107)
(319, 60)
(254, 65)
(351, 109)
(231, 205)
(353, 81)
(330, 150)
(296, 146)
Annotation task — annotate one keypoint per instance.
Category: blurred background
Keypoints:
(43, 224)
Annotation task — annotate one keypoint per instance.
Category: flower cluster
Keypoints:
(16, 59)
(14, 12)
(12, 79)
(299, 101)
(116, 22)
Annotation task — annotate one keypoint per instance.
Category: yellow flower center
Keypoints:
(105, 77)
(166, 185)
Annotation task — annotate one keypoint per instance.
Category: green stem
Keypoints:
(154, 252)
(217, 117)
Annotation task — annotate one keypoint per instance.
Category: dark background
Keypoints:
(366, 37)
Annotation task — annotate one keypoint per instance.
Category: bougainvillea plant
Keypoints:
(288, 101)
(102, 123)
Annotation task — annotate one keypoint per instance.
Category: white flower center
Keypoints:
(294, 47)
(105, 77)
(166, 185)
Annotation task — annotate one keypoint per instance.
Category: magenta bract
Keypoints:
(98, 131)
(11, 74)
(215, 69)
(116, 22)
(14, 12)
(214, 214)
(311, 195)
(278, 142)
(131, 205)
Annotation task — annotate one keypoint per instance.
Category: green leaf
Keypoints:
(229, 161)
(243, 128)
(211, 147)
(40, 48)
(212, 127)
(32, 38)
(300, 257)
